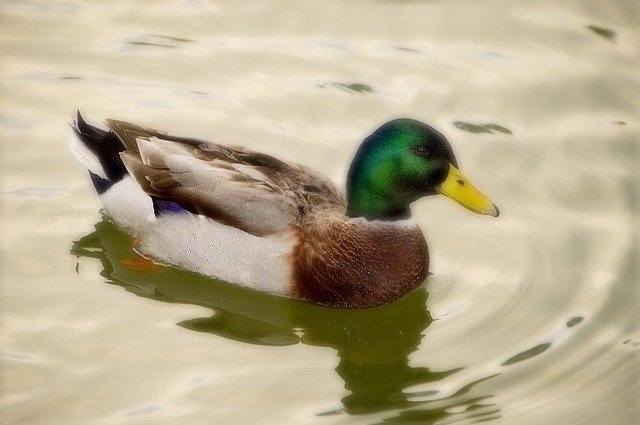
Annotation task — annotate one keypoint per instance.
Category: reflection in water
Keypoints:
(373, 345)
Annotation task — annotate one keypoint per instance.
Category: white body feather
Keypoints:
(198, 243)
(128, 205)
(213, 249)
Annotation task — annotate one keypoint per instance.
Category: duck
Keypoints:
(251, 219)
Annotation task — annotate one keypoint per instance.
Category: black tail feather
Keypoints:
(106, 146)
(101, 185)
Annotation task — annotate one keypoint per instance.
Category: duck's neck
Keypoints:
(375, 205)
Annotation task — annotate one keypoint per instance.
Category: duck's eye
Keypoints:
(422, 150)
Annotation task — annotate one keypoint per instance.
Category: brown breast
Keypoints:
(353, 263)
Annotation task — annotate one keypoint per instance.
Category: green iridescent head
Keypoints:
(402, 161)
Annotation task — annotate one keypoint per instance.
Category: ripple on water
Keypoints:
(350, 87)
(160, 40)
(603, 32)
(481, 128)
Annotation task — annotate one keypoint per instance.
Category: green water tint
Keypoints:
(373, 345)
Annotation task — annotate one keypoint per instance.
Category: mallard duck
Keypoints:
(251, 219)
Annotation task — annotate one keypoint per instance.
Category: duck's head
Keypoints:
(402, 161)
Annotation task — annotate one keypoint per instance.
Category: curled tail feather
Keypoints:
(99, 151)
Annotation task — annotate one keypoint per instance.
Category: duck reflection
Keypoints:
(373, 345)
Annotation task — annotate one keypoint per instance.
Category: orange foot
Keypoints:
(140, 264)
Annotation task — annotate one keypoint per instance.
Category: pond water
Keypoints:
(529, 318)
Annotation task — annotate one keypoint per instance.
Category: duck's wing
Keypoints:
(249, 190)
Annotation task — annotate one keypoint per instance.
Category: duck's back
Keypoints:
(249, 190)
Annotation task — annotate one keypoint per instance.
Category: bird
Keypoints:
(251, 219)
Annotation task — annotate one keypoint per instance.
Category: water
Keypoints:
(527, 319)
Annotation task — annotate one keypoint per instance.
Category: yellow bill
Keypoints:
(457, 187)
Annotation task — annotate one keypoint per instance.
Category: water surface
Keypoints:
(527, 319)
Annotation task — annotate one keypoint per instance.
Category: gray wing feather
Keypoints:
(252, 191)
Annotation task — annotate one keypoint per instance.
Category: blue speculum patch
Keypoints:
(160, 206)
